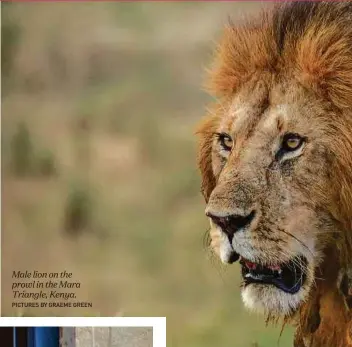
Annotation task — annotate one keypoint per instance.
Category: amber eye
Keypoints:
(292, 142)
(225, 141)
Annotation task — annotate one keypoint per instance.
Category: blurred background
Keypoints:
(99, 106)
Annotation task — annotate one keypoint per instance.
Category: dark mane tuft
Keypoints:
(293, 19)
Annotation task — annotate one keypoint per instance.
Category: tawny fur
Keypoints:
(304, 51)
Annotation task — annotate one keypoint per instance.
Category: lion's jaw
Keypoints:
(289, 224)
(266, 298)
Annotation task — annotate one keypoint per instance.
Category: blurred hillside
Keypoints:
(99, 107)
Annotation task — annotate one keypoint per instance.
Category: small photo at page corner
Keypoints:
(76, 336)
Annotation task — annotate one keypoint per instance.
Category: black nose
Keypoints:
(233, 223)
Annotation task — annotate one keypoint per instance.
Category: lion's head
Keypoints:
(276, 151)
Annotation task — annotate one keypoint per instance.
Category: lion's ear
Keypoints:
(206, 132)
(345, 286)
(341, 147)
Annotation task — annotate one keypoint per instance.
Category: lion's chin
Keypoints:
(269, 300)
(275, 290)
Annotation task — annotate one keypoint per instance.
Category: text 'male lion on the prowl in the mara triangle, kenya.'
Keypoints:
(275, 155)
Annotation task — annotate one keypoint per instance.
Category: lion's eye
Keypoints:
(291, 142)
(225, 141)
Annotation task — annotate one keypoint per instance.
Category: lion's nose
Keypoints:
(232, 223)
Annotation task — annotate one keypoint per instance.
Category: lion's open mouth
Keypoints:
(288, 277)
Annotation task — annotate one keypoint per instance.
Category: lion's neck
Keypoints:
(325, 321)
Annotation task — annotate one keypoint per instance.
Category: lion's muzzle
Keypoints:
(232, 223)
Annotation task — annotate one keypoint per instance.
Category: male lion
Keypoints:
(275, 156)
